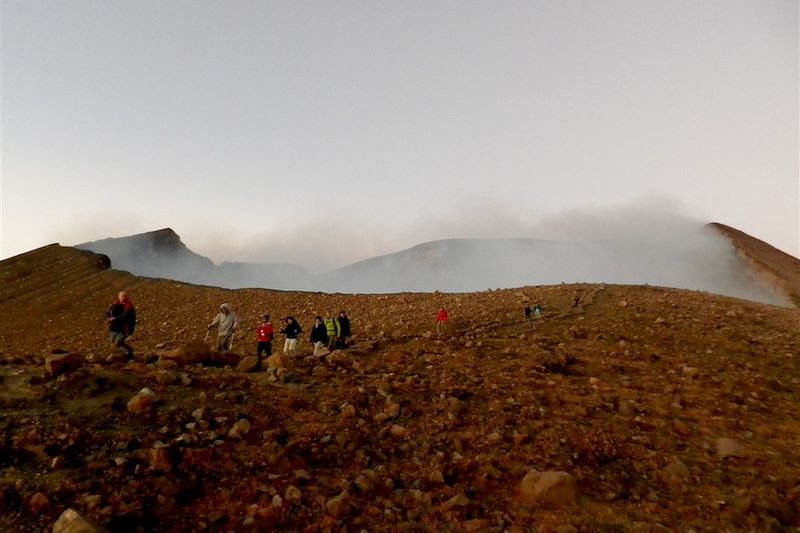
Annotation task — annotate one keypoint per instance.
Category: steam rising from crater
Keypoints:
(647, 243)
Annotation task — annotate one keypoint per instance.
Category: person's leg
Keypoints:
(292, 346)
(127, 347)
(268, 349)
(118, 340)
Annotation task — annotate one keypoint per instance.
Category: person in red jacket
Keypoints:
(441, 317)
(265, 335)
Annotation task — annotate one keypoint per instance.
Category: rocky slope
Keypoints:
(771, 268)
(660, 408)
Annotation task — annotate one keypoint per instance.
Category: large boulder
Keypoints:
(249, 363)
(71, 521)
(189, 353)
(59, 363)
(279, 360)
(551, 488)
(142, 402)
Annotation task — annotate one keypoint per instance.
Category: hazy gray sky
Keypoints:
(327, 132)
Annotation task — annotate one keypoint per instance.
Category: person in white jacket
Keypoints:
(226, 323)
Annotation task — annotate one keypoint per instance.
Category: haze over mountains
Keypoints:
(706, 258)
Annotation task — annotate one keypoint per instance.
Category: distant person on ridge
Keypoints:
(441, 317)
(292, 331)
(527, 312)
(319, 335)
(121, 320)
(344, 330)
(537, 311)
(332, 329)
(226, 323)
(265, 335)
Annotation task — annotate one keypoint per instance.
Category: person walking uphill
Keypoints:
(319, 335)
(121, 320)
(226, 323)
(265, 335)
(441, 317)
(292, 331)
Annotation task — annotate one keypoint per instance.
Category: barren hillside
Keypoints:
(773, 269)
(662, 408)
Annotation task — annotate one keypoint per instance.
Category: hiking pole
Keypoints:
(233, 336)
(205, 341)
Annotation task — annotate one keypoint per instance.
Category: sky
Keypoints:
(324, 133)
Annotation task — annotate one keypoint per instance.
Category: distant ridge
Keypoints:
(714, 258)
(772, 268)
(162, 254)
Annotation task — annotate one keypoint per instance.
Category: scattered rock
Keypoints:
(292, 494)
(320, 371)
(728, 447)
(142, 402)
(278, 360)
(339, 357)
(338, 506)
(166, 377)
(239, 429)
(189, 353)
(56, 364)
(677, 469)
(436, 477)
(551, 488)
(398, 432)
(71, 521)
(161, 459)
(249, 363)
(39, 503)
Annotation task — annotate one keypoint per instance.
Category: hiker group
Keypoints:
(331, 333)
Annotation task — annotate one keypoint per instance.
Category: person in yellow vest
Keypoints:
(333, 329)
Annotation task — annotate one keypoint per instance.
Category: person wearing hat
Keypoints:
(265, 335)
(226, 323)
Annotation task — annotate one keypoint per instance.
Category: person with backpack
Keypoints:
(226, 323)
(121, 320)
(332, 329)
(265, 335)
(319, 335)
(292, 331)
(344, 330)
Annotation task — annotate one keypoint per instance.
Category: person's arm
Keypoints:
(214, 322)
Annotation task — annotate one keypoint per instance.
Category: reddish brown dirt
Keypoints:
(627, 389)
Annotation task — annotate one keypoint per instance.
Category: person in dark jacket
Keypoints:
(319, 335)
(292, 331)
(121, 320)
(344, 330)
